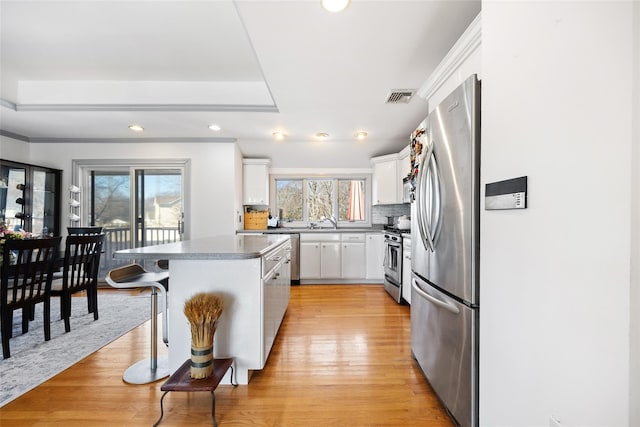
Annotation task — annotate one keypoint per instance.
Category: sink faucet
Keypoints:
(333, 221)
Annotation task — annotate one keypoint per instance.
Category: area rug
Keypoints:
(119, 313)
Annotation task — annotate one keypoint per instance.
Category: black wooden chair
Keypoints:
(79, 273)
(25, 283)
(84, 230)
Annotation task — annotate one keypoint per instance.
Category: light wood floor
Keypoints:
(342, 358)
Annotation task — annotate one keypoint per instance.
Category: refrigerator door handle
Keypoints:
(436, 204)
(442, 304)
(424, 229)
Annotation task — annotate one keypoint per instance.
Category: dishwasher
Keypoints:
(295, 258)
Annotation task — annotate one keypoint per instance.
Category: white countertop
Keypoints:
(212, 248)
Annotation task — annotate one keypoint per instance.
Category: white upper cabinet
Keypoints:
(404, 169)
(404, 164)
(388, 173)
(385, 180)
(255, 180)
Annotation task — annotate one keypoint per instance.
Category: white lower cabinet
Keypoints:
(353, 256)
(348, 256)
(320, 256)
(406, 269)
(276, 288)
(374, 256)
(330, 257)
(309, 259)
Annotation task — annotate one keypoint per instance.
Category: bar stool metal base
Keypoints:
(142, 373)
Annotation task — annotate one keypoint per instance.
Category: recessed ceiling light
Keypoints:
(279, 135)
(322, 135)
(334, 5)
(136, 128)
(214, 127)
(361, 135)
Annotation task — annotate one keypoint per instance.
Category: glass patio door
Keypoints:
(136, 207)
(159, 217)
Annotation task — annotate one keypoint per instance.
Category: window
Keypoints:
(319, 199)
(351, 200)
(311, 199)
(289, 198)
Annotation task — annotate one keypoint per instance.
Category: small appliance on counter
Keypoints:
(407, 189)
(404, 223)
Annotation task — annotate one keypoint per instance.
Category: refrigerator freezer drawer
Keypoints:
(444, 342)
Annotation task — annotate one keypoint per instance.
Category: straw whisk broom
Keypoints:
(203, 311)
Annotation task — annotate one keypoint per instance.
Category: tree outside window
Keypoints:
(314, 199)
(319, 199)
(289, 199)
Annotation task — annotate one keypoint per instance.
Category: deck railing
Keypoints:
(118, 238)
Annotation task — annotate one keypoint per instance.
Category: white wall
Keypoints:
(323, 154)
(634, 395)
(11, 149)
(555, 286)
(213, 178)
(238, 219)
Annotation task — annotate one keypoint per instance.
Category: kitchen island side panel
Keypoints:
(239, 330)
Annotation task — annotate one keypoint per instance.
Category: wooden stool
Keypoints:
(181, 381)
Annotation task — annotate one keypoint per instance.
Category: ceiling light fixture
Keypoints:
(279, 135)
(214, 127)
(334, 5)
(361, 135)
(136, 128)
(322, 135)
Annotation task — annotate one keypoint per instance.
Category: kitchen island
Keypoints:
(250, 273)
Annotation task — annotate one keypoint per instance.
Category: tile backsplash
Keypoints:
(379, 213)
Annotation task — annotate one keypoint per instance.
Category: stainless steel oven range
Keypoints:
(393, 263)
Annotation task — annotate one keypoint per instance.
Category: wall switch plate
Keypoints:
(554, 422)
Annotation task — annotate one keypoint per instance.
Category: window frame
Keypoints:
(305, 223)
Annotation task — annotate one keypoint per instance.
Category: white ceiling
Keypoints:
(85, 70)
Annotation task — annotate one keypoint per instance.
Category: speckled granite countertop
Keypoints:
(213, 248)
(285, 230)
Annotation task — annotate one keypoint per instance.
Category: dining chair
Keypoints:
(25, 281)
(84, 230)
(79, 273)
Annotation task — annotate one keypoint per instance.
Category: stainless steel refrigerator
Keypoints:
(445, 294)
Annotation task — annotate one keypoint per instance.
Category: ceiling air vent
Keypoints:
(400, 96)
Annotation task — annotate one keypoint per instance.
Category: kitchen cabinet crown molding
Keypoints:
(266, 162)
(466, 45)
(385, 158)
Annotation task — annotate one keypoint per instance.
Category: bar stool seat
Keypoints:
(133, 276)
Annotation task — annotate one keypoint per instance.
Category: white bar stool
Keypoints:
(134, 276)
